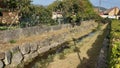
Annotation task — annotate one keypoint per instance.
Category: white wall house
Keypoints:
(56, 15)
(113, 13)
(112, 17)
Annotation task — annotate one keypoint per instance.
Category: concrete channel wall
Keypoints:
(29, 50)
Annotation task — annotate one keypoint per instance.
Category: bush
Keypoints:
(103, 20)
(115, 45)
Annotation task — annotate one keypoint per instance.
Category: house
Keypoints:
(8, 17)
(113, 13)
(56, 15)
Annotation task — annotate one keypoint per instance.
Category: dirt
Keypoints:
(87, 55)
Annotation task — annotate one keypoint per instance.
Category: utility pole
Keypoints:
(99, 5)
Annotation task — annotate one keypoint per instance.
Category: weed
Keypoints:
(61, 56)
(12, 41)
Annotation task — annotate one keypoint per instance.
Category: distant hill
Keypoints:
(101, 8)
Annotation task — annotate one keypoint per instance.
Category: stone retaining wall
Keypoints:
(102, 61)
(29, 50)
(8, 35)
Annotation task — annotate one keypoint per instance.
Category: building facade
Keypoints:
(113, 13)
(8, 17)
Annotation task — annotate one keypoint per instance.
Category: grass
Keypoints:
(3, 28)
(7, 28)
(12, 41)
(115, 45)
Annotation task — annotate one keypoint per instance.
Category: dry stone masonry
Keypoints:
(29, 50)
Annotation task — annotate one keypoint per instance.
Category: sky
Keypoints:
(43, 2)
(104, 3)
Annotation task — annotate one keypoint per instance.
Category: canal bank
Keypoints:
(80, 53)
(26, 49)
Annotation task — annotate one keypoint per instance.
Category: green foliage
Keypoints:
(72, 10)
(115, 33)
(13, 41)
(3, 28)
(40, 15)
(6, 27)
(81, 8)
(61, 56)
(103, 20)
(115, 45)
(13, 5)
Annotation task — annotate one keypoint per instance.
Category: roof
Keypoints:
(58, 12)
(108, 11)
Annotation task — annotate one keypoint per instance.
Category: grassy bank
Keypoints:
(115, 44)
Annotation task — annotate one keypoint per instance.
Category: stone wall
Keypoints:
(102, 61)
(6, 36)
(29, 50)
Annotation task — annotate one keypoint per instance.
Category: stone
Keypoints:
(40, 44)
(33, 55)
(46, 42)
(15, 49)
(17, 57)
(43, 43)
(33, 47)
(54, 45)
(43, 49)
(2, 55)
(25, 48)
(1, 64)
(8, 56)
(30, 56)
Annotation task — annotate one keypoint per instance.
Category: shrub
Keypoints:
(115, 45)
(103, 20)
